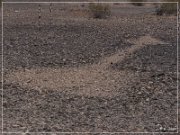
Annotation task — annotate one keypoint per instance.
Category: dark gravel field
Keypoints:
(161, 58)
(72, 73)
(80, 44)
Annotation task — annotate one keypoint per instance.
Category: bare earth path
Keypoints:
(90, 80)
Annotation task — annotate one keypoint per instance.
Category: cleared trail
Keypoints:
(90, 80)
(121, 55)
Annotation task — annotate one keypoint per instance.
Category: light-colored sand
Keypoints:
(91, 80)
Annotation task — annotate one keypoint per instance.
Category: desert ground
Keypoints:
(68, 72)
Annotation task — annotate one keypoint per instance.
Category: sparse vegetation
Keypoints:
(137, 4)
(168, 8)
(99, 10)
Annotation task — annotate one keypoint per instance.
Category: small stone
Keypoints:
(139, 93)
(161, 128)
(150, 82)
(97, 89)
(16, 11)
(28, 81)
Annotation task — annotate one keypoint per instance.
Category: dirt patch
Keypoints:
(84, 81)
(138, 44)
(90, 80)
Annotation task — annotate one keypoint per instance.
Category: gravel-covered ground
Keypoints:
(72, 73)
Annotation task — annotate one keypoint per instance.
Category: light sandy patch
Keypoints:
(81, 81)
(91, 80)
(121, 55)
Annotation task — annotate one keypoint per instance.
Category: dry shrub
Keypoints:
(99, 10)
(168, 8)
(135, 2)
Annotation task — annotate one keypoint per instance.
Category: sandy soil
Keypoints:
(74, 73)
(93, 80)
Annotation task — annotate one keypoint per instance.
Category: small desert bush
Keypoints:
(168, 8)
(137, 4)
(99, 10)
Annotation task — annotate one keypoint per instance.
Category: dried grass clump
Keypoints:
(99, 10)
(168, 8)
(135, 2)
